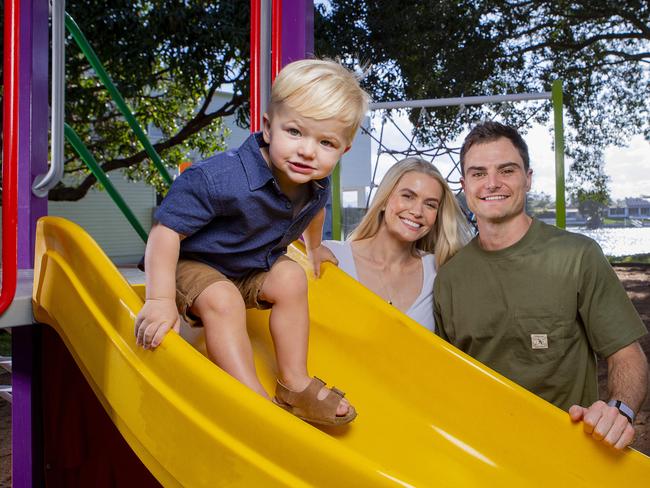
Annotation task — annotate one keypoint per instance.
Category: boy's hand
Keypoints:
(157, 316)
(319, 254)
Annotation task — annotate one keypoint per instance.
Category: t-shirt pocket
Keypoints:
(539, 338)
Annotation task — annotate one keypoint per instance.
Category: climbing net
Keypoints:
(395, 137)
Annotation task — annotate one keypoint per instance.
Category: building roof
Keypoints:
(636, 202)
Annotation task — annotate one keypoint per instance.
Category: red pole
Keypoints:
(10, 155)
(255, 65)
(276, 39)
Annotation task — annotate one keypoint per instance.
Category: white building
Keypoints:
(633, 208)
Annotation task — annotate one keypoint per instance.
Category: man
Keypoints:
(537, 303)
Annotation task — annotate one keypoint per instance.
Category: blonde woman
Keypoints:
(413, 226)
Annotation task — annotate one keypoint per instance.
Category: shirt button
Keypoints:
(287, 204)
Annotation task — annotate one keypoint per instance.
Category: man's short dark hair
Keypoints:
(491, 131)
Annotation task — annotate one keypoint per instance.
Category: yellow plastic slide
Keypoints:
(428, 415)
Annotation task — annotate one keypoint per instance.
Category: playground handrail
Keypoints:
(101, 176)
(94, 61)
(276, 39)
(10, 154)
(45, 182)
(255, 65)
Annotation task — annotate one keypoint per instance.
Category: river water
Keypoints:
(619, 241)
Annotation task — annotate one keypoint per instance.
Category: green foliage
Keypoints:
(166, 58)
(592, 203)
(539, 201)
(432, 49)
(632, 259)
(5, 343)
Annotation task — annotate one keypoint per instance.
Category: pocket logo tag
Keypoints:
(539, 341)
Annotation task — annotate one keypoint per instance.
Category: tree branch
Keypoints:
(198, 122)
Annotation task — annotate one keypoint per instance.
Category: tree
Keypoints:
(538, 203)
(167, 58)
(434, 49)
(591, 207)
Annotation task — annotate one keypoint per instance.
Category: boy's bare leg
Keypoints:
(223, 313)
(286, 288)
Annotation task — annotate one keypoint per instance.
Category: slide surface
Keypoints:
(428, 414)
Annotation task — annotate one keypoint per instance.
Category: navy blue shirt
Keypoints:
(233, 212)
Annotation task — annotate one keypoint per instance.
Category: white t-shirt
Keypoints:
(422, 309)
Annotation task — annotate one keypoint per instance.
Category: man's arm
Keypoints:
(159, 313)
(313, 236)
(627, 381)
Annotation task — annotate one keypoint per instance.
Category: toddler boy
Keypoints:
(218, 246)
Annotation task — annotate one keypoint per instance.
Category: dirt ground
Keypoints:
(635, 279)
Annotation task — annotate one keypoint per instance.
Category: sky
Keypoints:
(628, 167)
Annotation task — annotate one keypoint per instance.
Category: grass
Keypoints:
(634, 258)
(5, 343)
(608, 221)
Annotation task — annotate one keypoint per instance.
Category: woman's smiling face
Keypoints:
(412, 207)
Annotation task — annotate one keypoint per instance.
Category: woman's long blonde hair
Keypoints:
(450, 232)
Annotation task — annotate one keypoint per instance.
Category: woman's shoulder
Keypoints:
(336, 244)
(428, 258)
(429, 264)
(341, 249)
(343, 252)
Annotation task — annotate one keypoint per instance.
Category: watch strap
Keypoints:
(622, 407)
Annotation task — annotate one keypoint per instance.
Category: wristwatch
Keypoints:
(625, 410)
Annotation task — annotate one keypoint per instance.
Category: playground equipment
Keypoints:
(386, 109)
(190, 424)
(428, 414)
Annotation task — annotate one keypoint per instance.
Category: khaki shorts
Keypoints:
(192, 277)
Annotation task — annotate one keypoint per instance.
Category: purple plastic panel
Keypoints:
(297, 30)
(34, 123)
(32, 153)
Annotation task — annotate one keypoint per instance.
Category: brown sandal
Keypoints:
(306, 406)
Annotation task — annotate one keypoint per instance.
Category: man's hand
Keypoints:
(604, 423)
(156, 318)
(319, 254)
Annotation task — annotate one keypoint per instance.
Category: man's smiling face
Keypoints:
(495, 181)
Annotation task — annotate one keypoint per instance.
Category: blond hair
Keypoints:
(449, 233)
(321, 89)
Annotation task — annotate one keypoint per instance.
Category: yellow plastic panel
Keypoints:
(428, 414)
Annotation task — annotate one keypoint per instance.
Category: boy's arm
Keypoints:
(313, 236)
(159, 313)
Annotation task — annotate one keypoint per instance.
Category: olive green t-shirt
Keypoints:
(537, 312)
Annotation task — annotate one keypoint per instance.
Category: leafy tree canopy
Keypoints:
(434, 49)
(167, 58)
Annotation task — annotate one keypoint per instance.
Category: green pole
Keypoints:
(96, 170)
(560, 201)
(336, 203)
(94, 61)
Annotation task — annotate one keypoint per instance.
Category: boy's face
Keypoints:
(302, 149)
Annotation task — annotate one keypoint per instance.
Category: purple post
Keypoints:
(297, 30)
(32, 156)
(34, 122)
